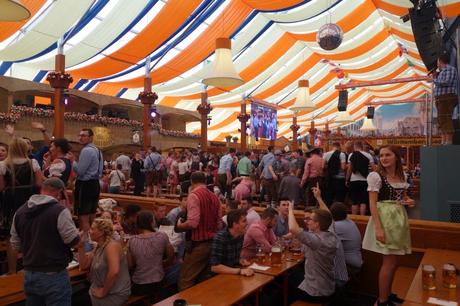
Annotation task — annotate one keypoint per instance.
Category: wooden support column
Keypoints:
(10, 101)
(147, 98)
(204, 109)
(312, 131)
(294, 127)
(59, 80)
(243, 117)
(327, 133)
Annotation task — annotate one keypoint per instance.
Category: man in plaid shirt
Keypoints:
(226, 246)
(446, 96)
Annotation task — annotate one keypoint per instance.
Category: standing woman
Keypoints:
(3, 151)
(137, 173)
(388, 232)
(108, 266)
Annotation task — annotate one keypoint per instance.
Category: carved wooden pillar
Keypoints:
(312, 131)
(147, 98)
(243, 117)
(204, 109)
(327, 133)
(59, 80)
(294, 127)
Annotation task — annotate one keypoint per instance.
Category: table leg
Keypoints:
(285, 289)
(257, 297)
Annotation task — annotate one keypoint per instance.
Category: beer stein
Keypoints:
(276, 255)
(429, 277)
(449, 276)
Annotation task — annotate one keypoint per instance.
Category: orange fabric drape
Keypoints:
(270, 56)
(271, 5)
(349, 22)
(391, 8)
(231, 118)
(403, 35)
(228, 21)
(149, 39)
(9, 28)
(450, 10)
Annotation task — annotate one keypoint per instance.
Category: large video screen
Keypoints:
(263, 122)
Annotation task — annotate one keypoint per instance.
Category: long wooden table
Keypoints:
(12, 286)
(221, 290)
(288, 262)
(436, 257)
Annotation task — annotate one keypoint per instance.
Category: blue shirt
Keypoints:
(90, 164)
(281, 228)
(152, 162)
(267, 161)
(446, 82)
(225, 164)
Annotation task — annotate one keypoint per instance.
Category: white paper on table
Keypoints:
(255, 266)
(436, 301)
(72, 264)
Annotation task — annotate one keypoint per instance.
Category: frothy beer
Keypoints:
(449, 277)
(276, 256)
(429, 277)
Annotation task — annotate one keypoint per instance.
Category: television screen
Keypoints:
(263, 122)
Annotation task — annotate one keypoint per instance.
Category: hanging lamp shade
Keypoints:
(368, 125)
(223, 72)
(303, 101)
(343, 117)
(13, 10)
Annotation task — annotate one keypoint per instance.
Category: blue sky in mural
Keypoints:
(392, 112)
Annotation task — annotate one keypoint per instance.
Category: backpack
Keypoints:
(333, 164)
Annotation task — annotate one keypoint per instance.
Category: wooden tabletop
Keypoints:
(286, 265)
(12, 286)
(437, 258)
(221, 290)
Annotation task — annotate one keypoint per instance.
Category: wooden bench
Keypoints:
(303, 303)
(134, 299)
(403, 279)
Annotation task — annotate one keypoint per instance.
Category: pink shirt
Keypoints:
(257, 234)
(313, 167)
(242, 190)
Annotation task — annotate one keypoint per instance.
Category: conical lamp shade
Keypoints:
(368, 125)
(343, 117)
(223, 72)
(303, 101)
(13, 10)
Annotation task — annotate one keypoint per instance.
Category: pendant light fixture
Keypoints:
(368, 125)
(223, 72)
(13, 10)
(303, 100)
(343, 117)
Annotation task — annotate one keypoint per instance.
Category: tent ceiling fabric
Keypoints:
(274, 46)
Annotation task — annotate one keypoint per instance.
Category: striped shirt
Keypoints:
(203, 213)
(446, 82)
(148, 251)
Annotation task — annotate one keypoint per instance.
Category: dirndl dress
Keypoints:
(393, 217)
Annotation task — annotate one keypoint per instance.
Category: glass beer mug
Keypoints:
(449, 276)
(276, 255)
(429, 277)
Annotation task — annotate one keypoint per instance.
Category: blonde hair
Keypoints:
(18, 148)
(106, 227)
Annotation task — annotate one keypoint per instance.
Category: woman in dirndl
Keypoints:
(388, 232)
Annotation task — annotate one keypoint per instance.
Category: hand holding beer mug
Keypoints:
(449, 276)
(429, 277)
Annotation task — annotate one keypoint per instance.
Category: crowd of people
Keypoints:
(214, 230)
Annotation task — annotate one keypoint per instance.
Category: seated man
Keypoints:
(320, 251)
(174, 213)
(260, 234)
(227, 244)
(160, 216)
(251, 215)
(281, 228)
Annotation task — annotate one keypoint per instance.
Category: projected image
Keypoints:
(263, 122)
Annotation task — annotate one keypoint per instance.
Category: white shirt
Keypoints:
(116, 176)
(124, 161)
(357, 176)
(18, 161)
(183, 167)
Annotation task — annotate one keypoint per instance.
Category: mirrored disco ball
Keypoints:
(329, 36)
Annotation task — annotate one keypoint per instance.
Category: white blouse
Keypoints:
(374, 183)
